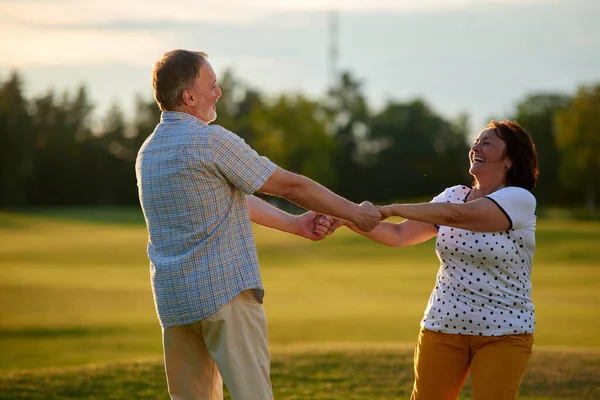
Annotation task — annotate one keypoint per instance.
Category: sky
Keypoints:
(475, 56)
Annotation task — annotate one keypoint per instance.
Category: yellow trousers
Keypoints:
(443, 361)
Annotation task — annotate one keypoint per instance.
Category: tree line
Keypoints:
(52, 152)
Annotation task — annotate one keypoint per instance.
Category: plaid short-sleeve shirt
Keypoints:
(192, 180)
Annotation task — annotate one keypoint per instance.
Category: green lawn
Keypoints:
(309, 373)
(74, 290)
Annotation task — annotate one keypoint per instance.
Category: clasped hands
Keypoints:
(317, 226)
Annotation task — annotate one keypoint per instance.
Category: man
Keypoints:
(195, 184)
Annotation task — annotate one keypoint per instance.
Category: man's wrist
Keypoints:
(357, 210)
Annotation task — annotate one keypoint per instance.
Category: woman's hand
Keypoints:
(385, 211)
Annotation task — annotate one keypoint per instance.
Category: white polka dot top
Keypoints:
(483, 285)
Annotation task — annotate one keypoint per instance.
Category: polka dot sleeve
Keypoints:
(518, 204)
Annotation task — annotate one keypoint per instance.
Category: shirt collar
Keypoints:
(180, 116)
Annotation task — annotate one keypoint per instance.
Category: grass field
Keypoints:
(77, 318)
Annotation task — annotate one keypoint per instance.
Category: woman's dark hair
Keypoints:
(520, 149)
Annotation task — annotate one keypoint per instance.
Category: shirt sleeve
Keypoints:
(454, 194)
(518, 204)
(440, 198)
(239, 163)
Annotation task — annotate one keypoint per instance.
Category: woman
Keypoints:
(480, 316)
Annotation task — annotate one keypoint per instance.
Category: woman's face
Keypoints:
(488, 155)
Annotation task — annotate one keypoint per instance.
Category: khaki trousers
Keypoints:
(496, 363)
(229, 346)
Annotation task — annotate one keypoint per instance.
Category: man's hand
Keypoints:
(337, 222)
(314, 226)
(368, 217)
(386, 211)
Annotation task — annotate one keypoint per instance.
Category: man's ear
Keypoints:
(188, 97)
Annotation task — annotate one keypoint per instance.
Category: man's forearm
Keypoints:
(265, 214)
(313, 196)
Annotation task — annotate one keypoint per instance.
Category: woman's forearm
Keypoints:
(264, 214)
(383, 233)
(481, 215)
(433, 213)
(406, 233)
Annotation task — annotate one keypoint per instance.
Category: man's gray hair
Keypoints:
(173, 73)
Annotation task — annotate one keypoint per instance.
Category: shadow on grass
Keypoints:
(100, 215)
(41, 333)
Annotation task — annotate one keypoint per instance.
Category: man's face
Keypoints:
(205, 93)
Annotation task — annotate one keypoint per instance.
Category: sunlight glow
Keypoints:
(81, 12)
(77, 47)
(85, 32)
